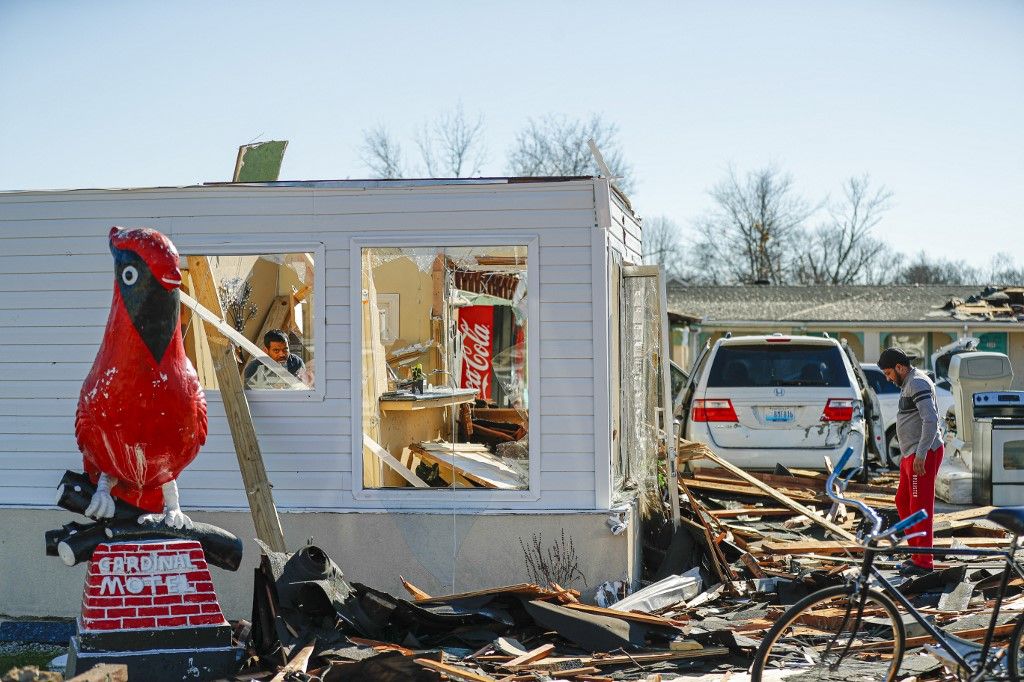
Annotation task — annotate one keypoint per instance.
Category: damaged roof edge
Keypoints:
(321, 184)
(380, 183)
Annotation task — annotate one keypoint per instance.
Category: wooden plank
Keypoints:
(298, 664)
(973, 634)
(453, 672)
(633, 659)
(750, 511)
(417, 593)
(963, 514)
(776, 495)
(428, 401)
(477, 465)
(243, 433)
(389, 459)
(745, 490)
(574, 672)
(543, 651)
(645, 618)
(716, 556)
(829, 547)
(528, 589)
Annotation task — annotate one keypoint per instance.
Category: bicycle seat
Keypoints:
(1010, 518)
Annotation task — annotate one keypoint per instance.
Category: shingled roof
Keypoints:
(772, 303)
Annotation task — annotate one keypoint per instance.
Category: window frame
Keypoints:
(432, 497)
(187, 247)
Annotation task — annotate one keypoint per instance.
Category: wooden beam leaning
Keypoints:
(707, 453)
(236, 407)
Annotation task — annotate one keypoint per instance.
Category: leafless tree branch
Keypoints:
(381, 153)
(843, 250)
(555, 146)
(751, 234)
(452, 145)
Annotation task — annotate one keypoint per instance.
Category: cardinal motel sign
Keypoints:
(155, 584)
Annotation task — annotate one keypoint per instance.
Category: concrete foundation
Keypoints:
(440, 553)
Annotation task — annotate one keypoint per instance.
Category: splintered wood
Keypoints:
(471, 461)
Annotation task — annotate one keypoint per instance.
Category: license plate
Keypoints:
(779, 416)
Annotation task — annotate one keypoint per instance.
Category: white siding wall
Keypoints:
(55, 290)
(624, 232)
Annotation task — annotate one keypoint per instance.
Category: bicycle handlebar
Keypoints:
(830, 490)
(912, 520)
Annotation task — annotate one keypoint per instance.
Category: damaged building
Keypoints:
(479, 383)
(918, 318)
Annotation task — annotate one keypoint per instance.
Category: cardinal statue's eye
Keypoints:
(129, 275)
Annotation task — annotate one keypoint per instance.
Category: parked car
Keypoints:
(889, 397)
(766, 400)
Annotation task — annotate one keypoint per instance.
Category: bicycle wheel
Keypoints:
(822, 636)
(1016, 655)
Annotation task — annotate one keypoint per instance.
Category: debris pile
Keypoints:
(749, 546)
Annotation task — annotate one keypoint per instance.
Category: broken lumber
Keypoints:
(963, 514)
(715, 555)
(453, 672)
(543, 651)
(779, 497)
(830, 547)
(243, 432)
(417, 593)
(298, 664)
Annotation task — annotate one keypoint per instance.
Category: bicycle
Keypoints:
(855, 631)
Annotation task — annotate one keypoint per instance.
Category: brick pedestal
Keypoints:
(151, 605)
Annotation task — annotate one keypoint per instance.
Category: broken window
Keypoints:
(445, 400)
(268, 299)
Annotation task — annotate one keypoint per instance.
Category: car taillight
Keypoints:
(838, 410)
(713, 411)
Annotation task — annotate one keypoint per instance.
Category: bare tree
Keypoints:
(555, 145)
(381, 153)
(751, 234)
(1003, 270)
(663, 245)
(925, 270)
(452, 145)
(843, 249)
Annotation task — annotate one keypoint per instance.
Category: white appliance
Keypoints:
(998, 448)
(971, 373)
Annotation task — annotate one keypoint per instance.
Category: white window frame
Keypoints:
(463, 497)
(188, 247)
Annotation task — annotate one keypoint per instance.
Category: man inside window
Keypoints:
(275, 344)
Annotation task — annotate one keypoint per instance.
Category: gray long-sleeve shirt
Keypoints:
(917, 421)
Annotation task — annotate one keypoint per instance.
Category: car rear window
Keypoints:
(778, 365)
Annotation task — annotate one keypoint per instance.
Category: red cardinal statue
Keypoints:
(141, 413)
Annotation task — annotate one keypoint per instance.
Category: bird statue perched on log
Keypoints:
(141, 414)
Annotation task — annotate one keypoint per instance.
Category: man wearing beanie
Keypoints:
(917, 431)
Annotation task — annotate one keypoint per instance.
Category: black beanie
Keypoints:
(891, 357)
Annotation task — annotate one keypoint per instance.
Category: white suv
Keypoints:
(759, 401)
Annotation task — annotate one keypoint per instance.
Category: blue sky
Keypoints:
(927, 97)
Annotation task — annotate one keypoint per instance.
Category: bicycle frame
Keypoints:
(1010, 565)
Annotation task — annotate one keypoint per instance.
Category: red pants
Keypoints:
(918, 492)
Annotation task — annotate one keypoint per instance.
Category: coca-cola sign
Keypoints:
(476, 326)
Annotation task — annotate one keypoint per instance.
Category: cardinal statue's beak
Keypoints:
(171, 282)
